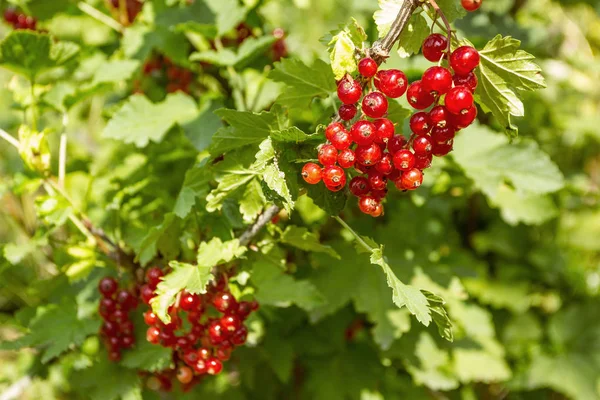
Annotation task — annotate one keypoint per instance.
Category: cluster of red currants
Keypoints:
(132, 7)
(19, 20)
(115, 306)
(162, 68)
(471, 5)
(214, 326)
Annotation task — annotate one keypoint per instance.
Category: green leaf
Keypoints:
(149, 245)
(246, 128)
(303, 82)
(115, 71)
(452, 9)
(195, 185)
(228, 14)
(146, 356)
(30, 53)
(434, 370)
(139, 121)
(289, 135)
(33, 148)
(53, 210)
(252, 201)
(333, 203)
(280, 354)
(385, 16)
(106, 380)
(472, 365)
(397, 113)
(411, 39)
(301, 238)
(440, 315)
(504, 71)
(343, 46)
(528, 209)
(252, 48)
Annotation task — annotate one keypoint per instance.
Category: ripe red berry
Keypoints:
(471, 5)
(230, 322)
(437, 80)
(384, 130)
(359, 186)
(347, 112)
(109, 328)
(439, 116)
(224, 302)
(153, 335)
(127, 342)
(311, 173)
(153, 276)
(216, 333)
(441, 149)
(334, 178)
(422, 145)
(377, 181)
(11, 16)
(396, 144)
(349, 91)
(463, 120)
(223, 353)
(106, 307)
(367, 67)
(200, 368)
(327, 155)
(441, 134)
(368, 155)
(333, 129)
(420, 123)
(114, 356)
(190, 357)
(423, 162)
(244, 309)
(374, 105)
(367, 204)
(126, 300)
(214, 366)
(204, 353)
(469, 81)
(404, 160)
(146, 293)
(418, 97)
(385, 166)
(363, 132)
(108, 286)
(346, 158)
(239, 337)
(412, 179)
(459, 100)
(184, 374)
(391, 82)
(434, 47)
(464, 60)
(341, 140)
(189, 301)
(119, 316)
(378, 211)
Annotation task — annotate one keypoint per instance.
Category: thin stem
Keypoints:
(9, 138)
(62, 159)
(358, 238)
(255, 228)
(33, 106)
(100, 16)
(439, 12)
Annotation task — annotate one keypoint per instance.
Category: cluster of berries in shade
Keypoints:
(19, 20)
(368, 143)
(213, 327)
(162, 69)
(115, 308)
(471, 5)
(132, 8)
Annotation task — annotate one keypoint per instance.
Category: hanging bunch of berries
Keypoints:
(365, 141)
(171, 76)
(115, 308)
(19, 20)
(131, 9)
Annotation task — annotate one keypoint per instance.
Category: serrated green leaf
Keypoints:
(440, 315)
(115, 71)
(343, 46)
(290, 135)
(301, 238)
(452, 9)
(106, 380)
(149, 245)
(252, 201)
(195, 185)
(333, 203)
(303, 82)
(397, 113)
(34, 149)
(411, 39)
(228, 13)
(246, 128)
(139, 121)
(53, 210)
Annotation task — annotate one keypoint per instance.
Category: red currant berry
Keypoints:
(342, 140)
(418, 97)
(347, 112)
(224, 302)
(190, 357)
(404, 160)
(434, 47)
(167, 338)
(379, 195)
(464, 60)
(359, 186)
(146, 293)
(327, 155)
(11, 16)
(254, 305)
(108, 286)
(363, 132)
(385, 166)
(189, 301)
(333, 129)
(367, 67)
(184, 374)
(204, 353)
(239, 337)
(374, 105)
(396, 144)
(384, 130)
(422, 145)
(391, 82)
(109, 328)
(367, 204)
(244, 309)
(311, 173)
(377, 181)
(349, 91)
(334, 178)
(106, 307)
(223, 353)
(153, 276)
(214, 366)
(459, 100)
(412, 179)
(216, 333)
(439, 116)
(378, 211)
(423, 162)
(119, 316)
(200, 368)
(153, 335)
(230, 322)
(368, 155)
(441, 134)
(437, 80)
(441, 149)
(469, 81)
(114, 356)
(461, 121)
(126, 300)
(420, 123)
(127, 342)
(346, 158)
(471, 5)
(183, 343)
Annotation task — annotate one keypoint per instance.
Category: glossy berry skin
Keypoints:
(108, 286)
(459, 100)
(374, 105)
(349, 91)
(363, 132)
(347, 112)
(189, 301)
(441, 134)
(333, 129)
(423, 162)
(471, 5)
(346, 158)
(469, 81)
(378, 211)
(334, 178)
(412, 179)
(239, 337)
(184, 375)
(418, 97)
(367, 204)
(11, 16)
(441, 149)
(420, 123)
(214, 366)
(245, 308)
(311, 173)
(437, 80)
(153, 276)
(391, 82)
(367, 67)
(404, 160)
(153, 335)
(126, 300)
(463, 120)
(434, 47)
(224, 302)
(327, 155)
(385, 166)
(106, 307)
(422, 145)
(342, 140)
(203, 353)
(384, 130)
(223, 353)
(368, 156)
(439, 116)
(464, 60)
(359, 186)
(377, 181)
(230, 322)
(216, 333)
(396, 144)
